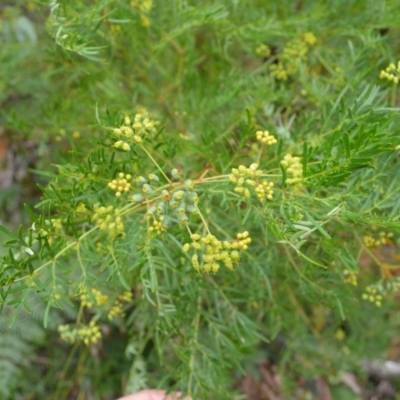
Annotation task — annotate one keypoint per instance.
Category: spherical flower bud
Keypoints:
(153, 177)
(126, 147)
(138, 198)
(186, 247)
(146, 188)
(254, 166)
(178, 195)
(127, 131)
(141, 180)
(192, 198)
(181, 209)
(174, 203)
(175, 173)
(189, 184)
(192, 209)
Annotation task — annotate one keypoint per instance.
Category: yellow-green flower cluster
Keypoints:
(391, 73)
(96, 299)
(294, 167)
(144, 7)
(121, 184)
(243, 176)
(89, 334)
(146, 184)
(309, 38)
(372, 295)
(279, 71)
(265, 191)
(134, 131)
(295, 50)
(292, 55)
(159, 226)
(250, 178)
(109, 219)
(263, 50)
(350, 277)
(381, 240)
(177, 204)
(117, 308)
(266, 138)
(209, 252)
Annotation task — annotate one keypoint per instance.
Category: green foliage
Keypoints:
(167, 224)
(17, 344)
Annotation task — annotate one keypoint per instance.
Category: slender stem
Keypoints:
(156, 164)
(204, 221)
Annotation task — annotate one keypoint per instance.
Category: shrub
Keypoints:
(222, 174)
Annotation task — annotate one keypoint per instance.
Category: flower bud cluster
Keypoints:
(265, 190)
(294, 52)
(350, 277)
(263, 50)
(159, 226)
(279, 71)
(144, 7)
(208, 252)
(381, 240)
(109, 219)
(96, 299)
(266, 138)
(89, 334)
(117, 308)
(293, 167)
(247, 179)
(309, 38)
(135, 131)
(391, 73)
(177, 204)
(372, 295)
(121, 184)
(147, 186)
